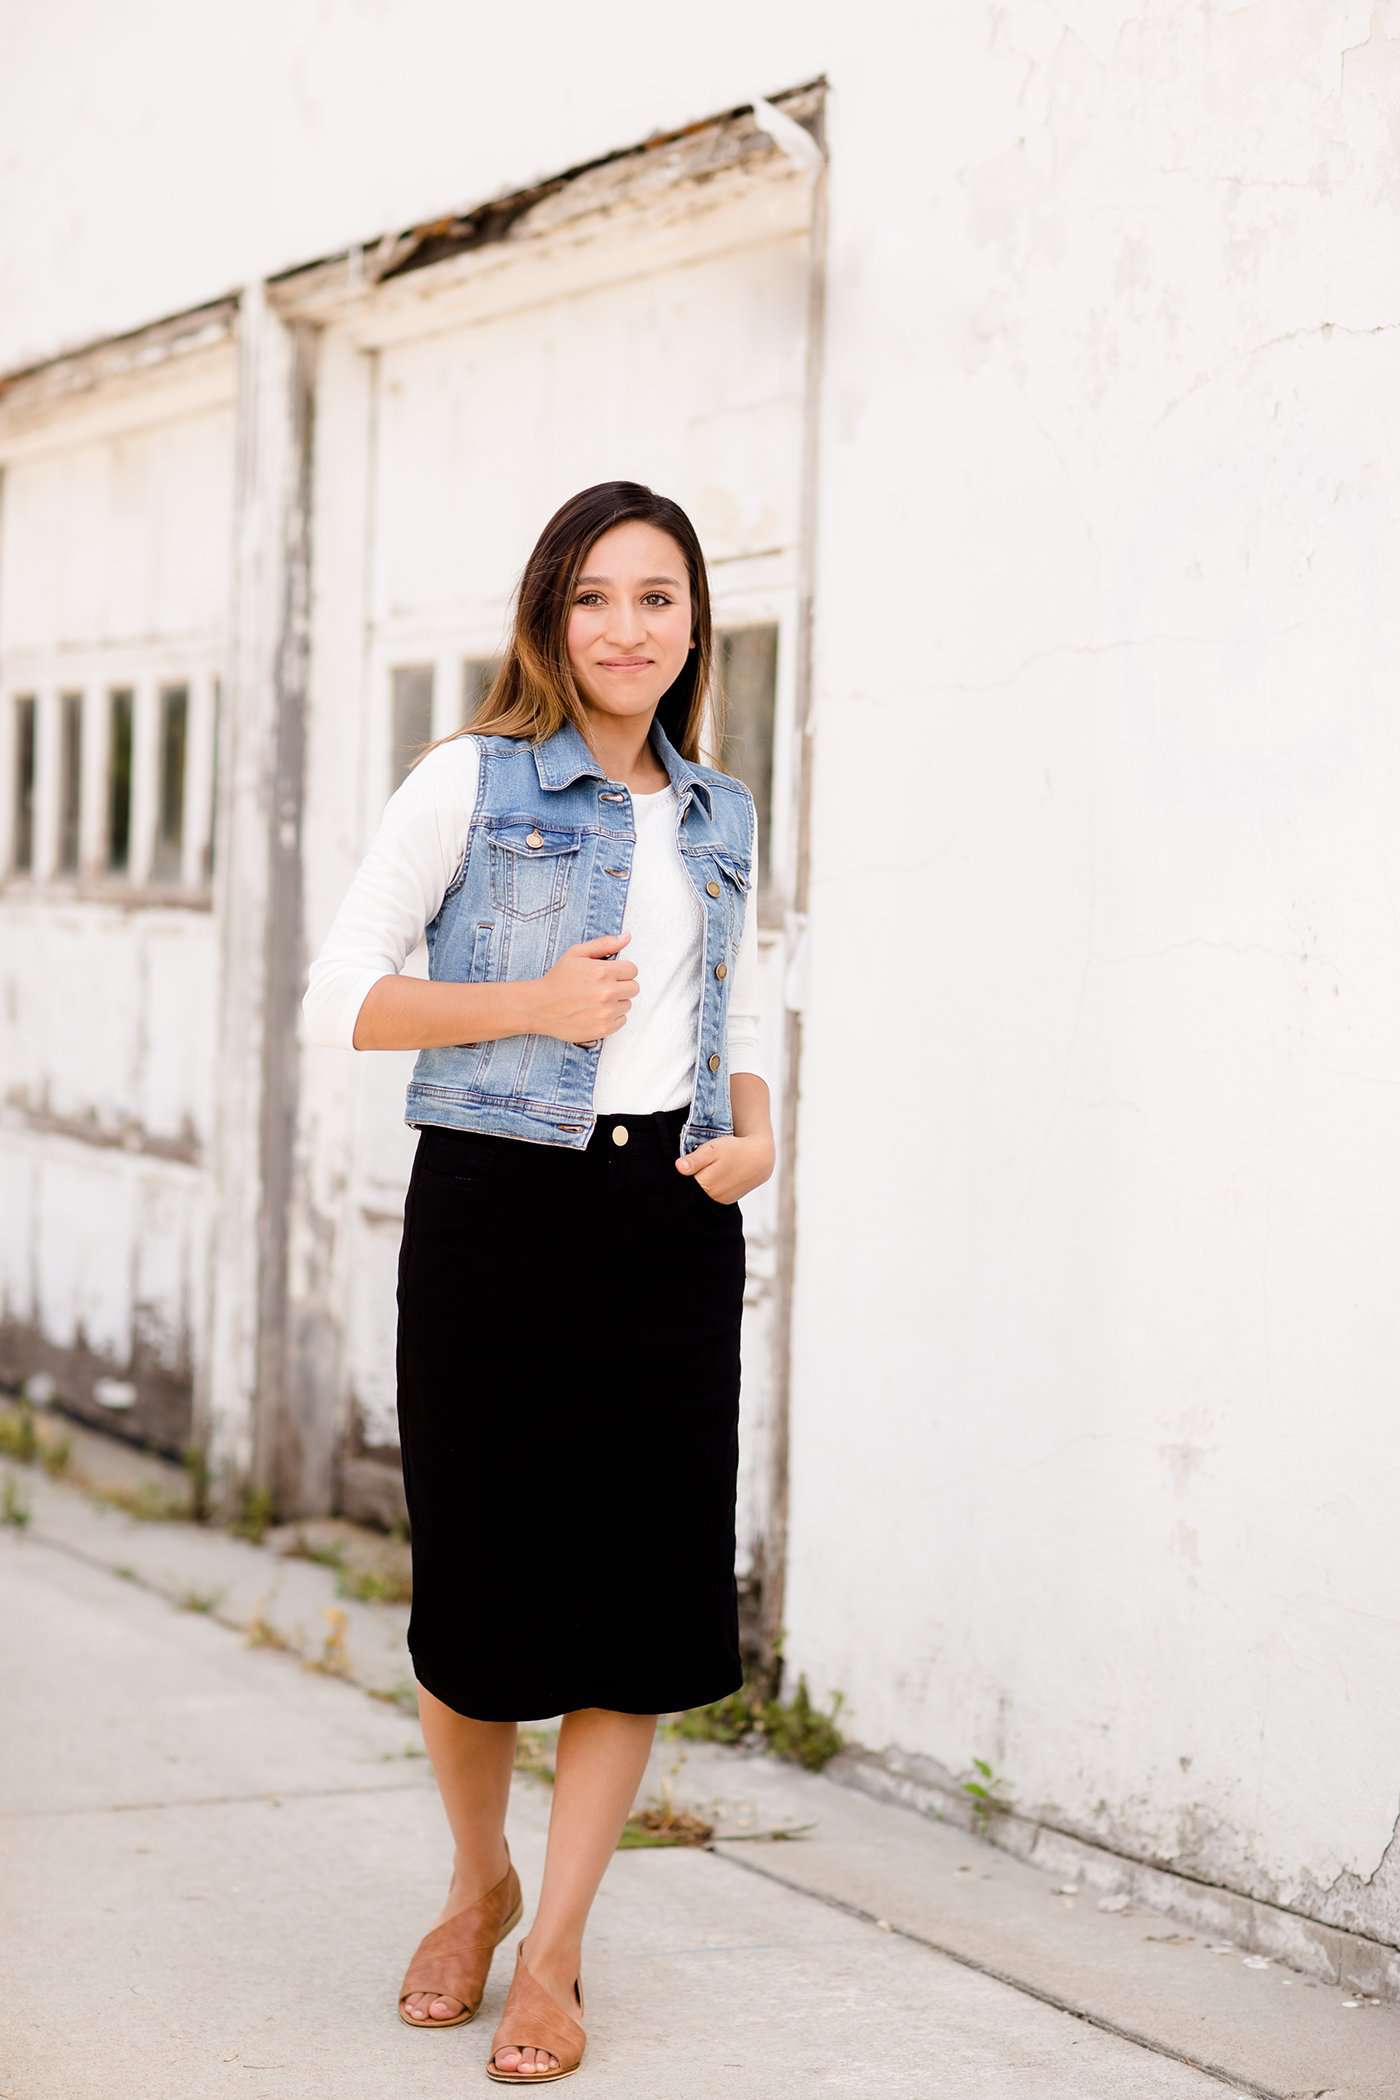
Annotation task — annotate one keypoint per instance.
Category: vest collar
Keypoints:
(565, 757)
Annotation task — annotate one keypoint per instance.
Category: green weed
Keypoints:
(790, 1728)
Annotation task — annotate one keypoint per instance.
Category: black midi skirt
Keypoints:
(568, 1405)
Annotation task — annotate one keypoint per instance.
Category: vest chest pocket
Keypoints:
(530, 866)
(733, 875)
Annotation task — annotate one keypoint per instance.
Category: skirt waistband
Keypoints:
(616, 1135)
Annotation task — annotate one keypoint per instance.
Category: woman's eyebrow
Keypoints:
(645, 580)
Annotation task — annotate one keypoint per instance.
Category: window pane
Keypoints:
(412, 710)
(748, 678)
(70, 786)
(119, 782)
(24, 782)
(170, 830)
(478, 676)
(207, 870)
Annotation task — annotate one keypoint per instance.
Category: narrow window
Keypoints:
(119, 781)
(206, 871)
(24, 783)
(478, 676)
(748, 678)
(411, 702)
(174, 736)
(70, 785)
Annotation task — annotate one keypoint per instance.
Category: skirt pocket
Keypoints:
(468, 1157)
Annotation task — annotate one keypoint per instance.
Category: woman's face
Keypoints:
(629, 624)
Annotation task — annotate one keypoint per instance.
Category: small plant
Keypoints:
(792, 1729)
(197, 1466)
(18, 1436)
(375, 1585)
(664, 1823)
(255, 1513)
(148, 1500)
(984, 1794)
(14, 1509)
(200, 1600)
(404, 1694)
(327, 1554)
(333, 1659)
(263, 1634)
(56, 1455)
(534, 1753)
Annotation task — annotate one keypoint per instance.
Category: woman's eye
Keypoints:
(584, 596)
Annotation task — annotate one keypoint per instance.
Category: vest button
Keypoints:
(535, 839)
(620, 1133)
(721, 969)
(713, 888)
(713, 1060)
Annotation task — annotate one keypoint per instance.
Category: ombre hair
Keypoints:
(535, 692)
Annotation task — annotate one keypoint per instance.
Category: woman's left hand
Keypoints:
(728, 1167)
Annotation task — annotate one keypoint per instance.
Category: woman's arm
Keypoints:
(355, 995)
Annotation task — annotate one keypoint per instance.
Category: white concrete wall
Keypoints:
(1095, 1448)
(1097, 1326)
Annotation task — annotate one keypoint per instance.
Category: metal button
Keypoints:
(535, 839)
(721, 969)
(620, 1133)
(713, 888)
(713, 1060)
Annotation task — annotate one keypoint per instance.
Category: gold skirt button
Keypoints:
(620, 1133)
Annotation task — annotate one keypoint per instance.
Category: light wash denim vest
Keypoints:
(547, 862)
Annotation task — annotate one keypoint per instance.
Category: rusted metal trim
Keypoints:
(631, 175)
(156, 346)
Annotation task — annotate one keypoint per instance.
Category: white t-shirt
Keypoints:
(646, 1064)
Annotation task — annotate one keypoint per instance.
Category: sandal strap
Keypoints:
(532, 2020)
(453, 1959)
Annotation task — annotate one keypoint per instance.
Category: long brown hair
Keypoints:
(534, 692)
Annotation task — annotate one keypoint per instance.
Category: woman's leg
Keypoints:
(472, 1762)
(598, 1767)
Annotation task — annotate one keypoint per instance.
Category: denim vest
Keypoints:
(547, 863)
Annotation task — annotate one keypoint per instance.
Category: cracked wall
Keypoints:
(1106, 611)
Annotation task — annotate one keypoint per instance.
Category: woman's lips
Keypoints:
(625, 663)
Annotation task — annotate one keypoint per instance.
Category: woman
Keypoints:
(591, 1105)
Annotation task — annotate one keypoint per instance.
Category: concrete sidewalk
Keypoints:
(215, 1861)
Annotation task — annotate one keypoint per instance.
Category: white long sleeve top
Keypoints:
(647, 1063)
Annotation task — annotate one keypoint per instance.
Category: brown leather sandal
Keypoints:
(532, 2020)
(454, 1959)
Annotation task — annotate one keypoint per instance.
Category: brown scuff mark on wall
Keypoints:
(121, 1134)
(159, 1416)
(369, 1477)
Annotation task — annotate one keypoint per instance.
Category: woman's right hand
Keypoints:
(586, 993)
